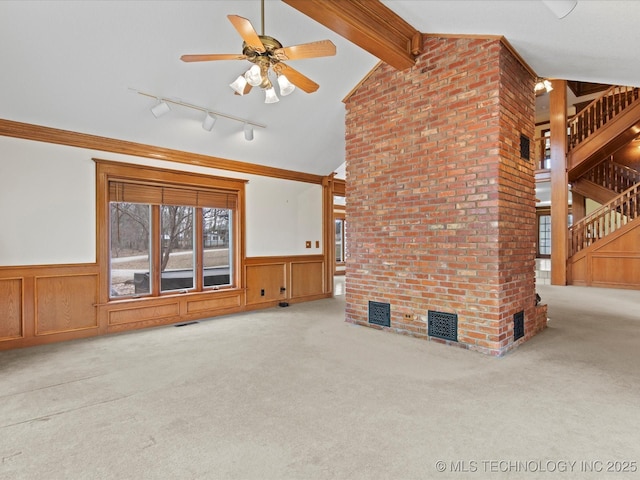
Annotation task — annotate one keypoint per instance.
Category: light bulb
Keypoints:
(270, 95)
(253, 76)
(239, 84)
(286, 87)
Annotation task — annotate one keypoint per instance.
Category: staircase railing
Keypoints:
(605, 220)
(613, 176)
(600, 111)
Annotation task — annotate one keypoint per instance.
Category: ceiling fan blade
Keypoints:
(213, 56)
(247, 32)
(299, 80)
(323, 48)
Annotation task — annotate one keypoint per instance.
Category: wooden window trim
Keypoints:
(109, 171)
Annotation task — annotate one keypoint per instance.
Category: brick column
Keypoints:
(440, 204)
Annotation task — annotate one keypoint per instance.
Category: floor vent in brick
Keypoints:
(443, 325)
(518, 325)
(380, 314)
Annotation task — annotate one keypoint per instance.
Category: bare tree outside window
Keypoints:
(131, 256)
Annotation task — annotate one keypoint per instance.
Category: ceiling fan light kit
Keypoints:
(253, 76)
(267, 54)
(543, 85)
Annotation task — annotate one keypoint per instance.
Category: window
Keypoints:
(545, 162)
(340, 244)
(544, 235)
(167, 237)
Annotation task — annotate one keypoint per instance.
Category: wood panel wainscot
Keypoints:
(291, 279)
(65, 303)
(611, 262)
(11, 308)
(52, 303)
(47, 303)
(133, 314)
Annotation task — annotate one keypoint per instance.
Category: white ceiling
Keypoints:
(71, 64)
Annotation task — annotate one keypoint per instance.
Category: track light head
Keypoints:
(208, 122)
(248, 132)
(160, 108)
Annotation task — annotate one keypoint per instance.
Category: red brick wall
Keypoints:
(440, 206)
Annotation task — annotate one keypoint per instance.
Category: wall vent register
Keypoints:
(443, 325)
(518, 325)
(380, 314)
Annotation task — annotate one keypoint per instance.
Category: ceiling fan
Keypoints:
(266, 53)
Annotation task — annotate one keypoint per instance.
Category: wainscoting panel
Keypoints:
(136, 314)
(612, 262)
(52, 303)
(66, 303)
(301, 276)
(11, 308)
(265, 283)
(307, 278)
(220, 302)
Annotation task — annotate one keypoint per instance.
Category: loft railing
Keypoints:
(599, 112)
(613, 176)
(606, 220)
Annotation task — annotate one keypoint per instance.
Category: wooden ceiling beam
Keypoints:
(370, 25)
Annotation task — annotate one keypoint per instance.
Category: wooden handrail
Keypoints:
(599, 112)
(605, 220)
(613, 176)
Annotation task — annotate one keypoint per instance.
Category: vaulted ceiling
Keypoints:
(71, 65)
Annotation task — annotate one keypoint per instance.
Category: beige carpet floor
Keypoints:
(297, 393)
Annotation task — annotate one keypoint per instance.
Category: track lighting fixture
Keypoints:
(248, 132)
(208, 122)
(160, 108)
(211, 116)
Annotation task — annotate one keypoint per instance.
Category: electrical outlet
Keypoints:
(317, 243)
(307, 244)
(262, 292)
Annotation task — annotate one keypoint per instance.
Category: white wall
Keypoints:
(47, 206)
(282, 216)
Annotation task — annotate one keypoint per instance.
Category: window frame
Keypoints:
(108, 172)
(342, 220)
